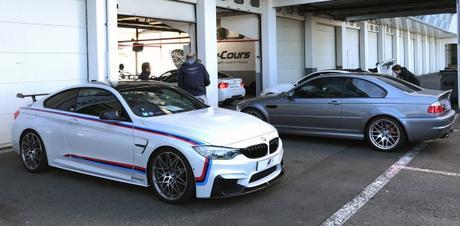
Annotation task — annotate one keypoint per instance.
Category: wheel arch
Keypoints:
(369, 120)
(259, 109)
(150, 159)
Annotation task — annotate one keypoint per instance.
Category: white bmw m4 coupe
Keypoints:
(149, 134)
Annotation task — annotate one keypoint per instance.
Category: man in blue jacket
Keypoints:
(193, 77)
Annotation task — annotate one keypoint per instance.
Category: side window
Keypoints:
(360, 88)
(312, 76)
(96, 101)
(331, 87)
(64, 101)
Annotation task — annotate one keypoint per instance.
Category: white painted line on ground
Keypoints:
(456, 130)
(349, 209)
(445, 173)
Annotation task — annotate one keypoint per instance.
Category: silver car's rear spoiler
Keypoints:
(33, 96)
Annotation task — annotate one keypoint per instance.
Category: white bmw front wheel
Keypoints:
(171, 176)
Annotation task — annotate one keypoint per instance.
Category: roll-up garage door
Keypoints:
(40, 52)
(388, 47)
(372, 47)
(290, 49)
(159, 9)
(401, 51)
(352, 48)
(411, 54)
(324, 56)
(432, 56)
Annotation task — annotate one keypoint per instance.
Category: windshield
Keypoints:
(400, 84)
(152, 101)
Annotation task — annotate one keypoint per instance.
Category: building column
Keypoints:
(458, 50)
(308, 45)
(417, 55)
(207, 45)
(363, 45)
(341, 46)
(99, 24)
(395, 45)
(269, 49)
(381, 43)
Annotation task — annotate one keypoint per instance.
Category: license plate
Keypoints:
(267, 163)
(234, 85)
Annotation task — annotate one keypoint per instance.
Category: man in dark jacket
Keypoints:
(193, 77)
(145, 74)
(405, 74)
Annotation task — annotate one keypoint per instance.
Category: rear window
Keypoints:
(64, 101)
(223, 75)
(400, 84)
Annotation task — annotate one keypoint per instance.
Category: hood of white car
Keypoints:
(212, 126)
(279, 88)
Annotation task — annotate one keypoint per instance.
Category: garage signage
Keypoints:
(236, 55)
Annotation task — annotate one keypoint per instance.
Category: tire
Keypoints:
(32, 152)
(256, 113)
(174, 186)
(385, 134)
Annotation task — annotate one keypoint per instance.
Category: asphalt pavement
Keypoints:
(322, 175)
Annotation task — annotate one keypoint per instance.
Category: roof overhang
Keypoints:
(353, 10)
(393, 13)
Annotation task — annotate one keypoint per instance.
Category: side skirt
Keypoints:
(133, 182)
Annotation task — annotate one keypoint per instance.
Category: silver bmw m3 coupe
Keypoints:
(385, 111)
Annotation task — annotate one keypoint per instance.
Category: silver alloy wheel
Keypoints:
(384, 134)
(31, 151)
(169, 176)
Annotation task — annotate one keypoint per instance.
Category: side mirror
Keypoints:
(110, 115)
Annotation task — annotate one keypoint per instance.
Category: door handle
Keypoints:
(74, 121)
(334, 102)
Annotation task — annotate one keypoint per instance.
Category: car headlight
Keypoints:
(215, 152)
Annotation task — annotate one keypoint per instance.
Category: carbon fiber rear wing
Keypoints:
(33, 96)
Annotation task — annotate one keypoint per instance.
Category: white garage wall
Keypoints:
(324, 50)
(372, 47)
(40, 51)
(290, 49)
(388, 47)
(352, 48)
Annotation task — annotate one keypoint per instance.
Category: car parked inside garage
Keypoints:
(229, 87)
(385, 111)
(149, 134)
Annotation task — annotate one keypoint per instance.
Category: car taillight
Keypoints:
(16, 114)
(436, 108)
(242, 84)
(223, 85)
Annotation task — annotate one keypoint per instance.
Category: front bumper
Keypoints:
(430, 128)
(241, 175)
(230, 187)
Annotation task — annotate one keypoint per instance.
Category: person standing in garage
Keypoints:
(193, 77)
(405, 74)
(145, 74)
